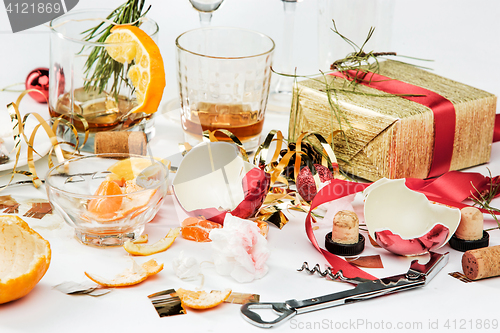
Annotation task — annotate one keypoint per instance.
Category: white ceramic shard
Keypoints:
(404, 221)
(213, 179)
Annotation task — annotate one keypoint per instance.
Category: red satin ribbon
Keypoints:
(496, 132)
(335, 190)
(443, 109)
(450, 189)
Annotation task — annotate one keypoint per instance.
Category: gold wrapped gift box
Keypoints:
(391, 136)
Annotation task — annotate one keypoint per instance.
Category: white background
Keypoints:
(461, 36)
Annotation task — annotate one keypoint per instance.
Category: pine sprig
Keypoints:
(100, 67)
(483, 199)
(360, 62)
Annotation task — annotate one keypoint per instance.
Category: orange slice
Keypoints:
(197, 229)
(24, 258)
(129, 168)
(147, 74)
(129, 277)
(146, 250)
(202, 299)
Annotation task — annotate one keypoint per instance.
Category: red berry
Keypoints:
(305, 181)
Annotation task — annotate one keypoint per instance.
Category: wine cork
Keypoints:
(345, 227)
(120, 142)
(481, 263)
(471, 224)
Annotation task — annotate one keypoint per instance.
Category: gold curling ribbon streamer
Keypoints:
(276, 168)
(263, 149)
(298, 157)
(18, 133)
(76, 146)
(211, 136)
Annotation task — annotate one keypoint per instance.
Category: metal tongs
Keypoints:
(417, 276)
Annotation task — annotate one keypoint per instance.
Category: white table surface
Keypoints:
(462, 38)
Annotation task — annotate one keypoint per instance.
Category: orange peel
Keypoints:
(202, 299)
(24, 258)
(141, 240)
(129, 277)
(149, 249)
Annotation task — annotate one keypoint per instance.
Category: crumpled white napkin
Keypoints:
(239, 250)
(186, 268)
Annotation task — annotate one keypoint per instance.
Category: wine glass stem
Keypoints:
(284, 84)
(288, 35)
(205, 19)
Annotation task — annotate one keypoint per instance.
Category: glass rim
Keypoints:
(273, 45)
(64, 19)
(110, 155)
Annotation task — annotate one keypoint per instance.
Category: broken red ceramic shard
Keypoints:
(405, 222)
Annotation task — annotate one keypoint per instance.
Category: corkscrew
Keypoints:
(327, 273)
(418, 275)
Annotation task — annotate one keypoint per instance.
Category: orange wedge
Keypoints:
(106, 205)
(202, 299)
(133, 203)
(198, 229)
(146, 250)
(24, 258)
(129, 277)
(147, 74)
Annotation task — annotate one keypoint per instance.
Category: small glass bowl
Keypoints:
(72, 185)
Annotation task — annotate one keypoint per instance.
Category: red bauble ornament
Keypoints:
(305, 181)
(38, 79)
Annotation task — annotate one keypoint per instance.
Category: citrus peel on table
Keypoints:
(149, 249)
(130, 276)
(25, 258)
(202, 299)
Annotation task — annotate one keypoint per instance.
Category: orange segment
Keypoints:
(202, 299)
(148, 73)
(129, 277)
(24, 258)
(106, 205)
(197, 229)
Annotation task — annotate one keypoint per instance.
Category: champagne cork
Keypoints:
(481, 263)
(471, 224)
(345, 227)
(120, 142)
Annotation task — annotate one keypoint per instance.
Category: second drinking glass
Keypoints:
(224, 76)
